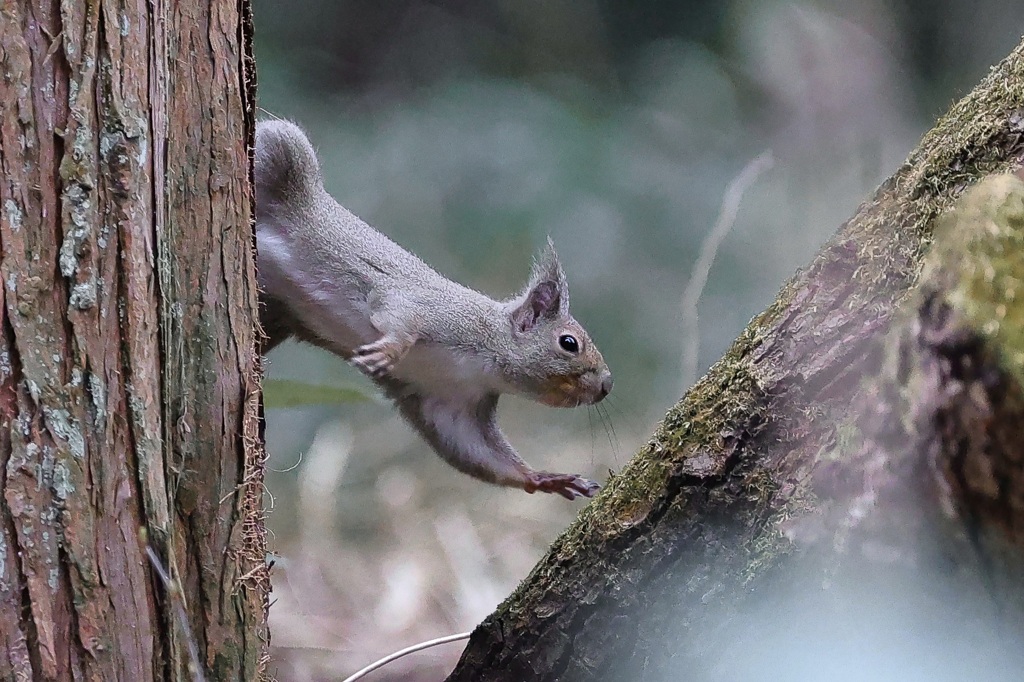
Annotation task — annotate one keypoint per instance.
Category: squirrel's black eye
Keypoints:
(569, 343)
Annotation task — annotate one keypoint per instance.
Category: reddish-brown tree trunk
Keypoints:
(128, 375)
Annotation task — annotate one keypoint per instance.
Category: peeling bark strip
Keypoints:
(207, 276)
(127, 367)
(748, 539)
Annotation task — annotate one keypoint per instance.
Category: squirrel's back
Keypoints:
(291, 199)
(319, 256)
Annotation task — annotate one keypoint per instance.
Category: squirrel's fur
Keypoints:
(441, 351)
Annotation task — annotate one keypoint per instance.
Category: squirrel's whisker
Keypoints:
(609, 429)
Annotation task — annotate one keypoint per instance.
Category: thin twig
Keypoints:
(408, 650)
(173, 590)
(708, 251)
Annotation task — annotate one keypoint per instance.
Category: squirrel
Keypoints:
(442, 352)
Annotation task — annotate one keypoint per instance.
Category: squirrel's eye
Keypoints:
(569, 343)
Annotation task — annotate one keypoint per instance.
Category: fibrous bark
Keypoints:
(800, 513)
(128, 379)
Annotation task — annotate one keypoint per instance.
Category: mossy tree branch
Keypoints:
(777, 475)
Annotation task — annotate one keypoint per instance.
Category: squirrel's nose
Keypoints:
(606, 385)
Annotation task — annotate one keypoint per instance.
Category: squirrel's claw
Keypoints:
(569, 486)
(377, 359)
(374, 364)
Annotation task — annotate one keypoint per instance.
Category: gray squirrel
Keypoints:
(441, 351)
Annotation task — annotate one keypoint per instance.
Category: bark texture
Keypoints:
(959, 366)
(128, 378)
(801, 507)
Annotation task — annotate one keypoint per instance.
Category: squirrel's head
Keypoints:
(560, 366)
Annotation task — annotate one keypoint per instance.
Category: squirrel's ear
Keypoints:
(546, 295)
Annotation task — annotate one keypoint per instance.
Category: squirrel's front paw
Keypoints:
(373, 363)
(377, 359)
(569, 486)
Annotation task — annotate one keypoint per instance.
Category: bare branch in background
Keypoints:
(404, 652)
(708, 251)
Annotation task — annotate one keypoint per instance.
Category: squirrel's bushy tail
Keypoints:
(287, 170)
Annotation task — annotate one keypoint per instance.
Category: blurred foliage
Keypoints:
(469, 130)
(282, 393)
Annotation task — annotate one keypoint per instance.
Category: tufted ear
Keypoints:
(547, 294)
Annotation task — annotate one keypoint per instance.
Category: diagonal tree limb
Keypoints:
(740, 504)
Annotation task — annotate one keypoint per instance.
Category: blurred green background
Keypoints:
(468, 131)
